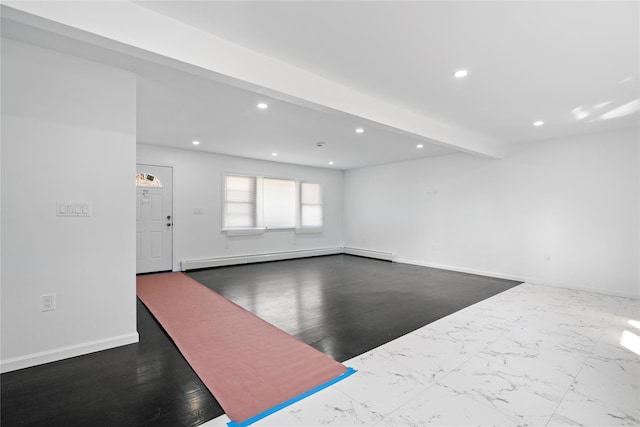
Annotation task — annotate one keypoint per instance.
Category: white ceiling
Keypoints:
(527, 61)
(175, 108)
(574, 65)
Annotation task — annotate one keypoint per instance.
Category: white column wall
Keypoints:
(68, 135)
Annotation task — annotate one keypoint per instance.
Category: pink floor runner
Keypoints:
(249, 365)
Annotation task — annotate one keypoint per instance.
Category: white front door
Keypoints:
(154, 218)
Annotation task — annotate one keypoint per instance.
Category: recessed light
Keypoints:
(538, 123)
(330, 163)
(262, 106)
(359, 130)
(460, 74)
(195, 142)
(274, 154)
(419, 146)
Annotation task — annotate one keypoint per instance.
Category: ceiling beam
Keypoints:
(179, 45)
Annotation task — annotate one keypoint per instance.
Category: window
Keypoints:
(147, 180)
(279, 203)
(254, 202)
(240, 206)
(310, 205)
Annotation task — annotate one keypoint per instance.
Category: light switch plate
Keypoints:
(70, 209)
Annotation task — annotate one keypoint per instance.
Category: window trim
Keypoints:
(259, 228)
(300, 229)
(295, 203)
(225, 204)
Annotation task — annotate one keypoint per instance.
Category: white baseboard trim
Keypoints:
(523, 279)
(61, 353)
(191, 264)
(462, 270)
(388, 256)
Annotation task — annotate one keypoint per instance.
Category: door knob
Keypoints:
(168, 224)
(168, 216)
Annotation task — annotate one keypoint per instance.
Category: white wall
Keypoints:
(198, 183)
(68, 134)
(562, 212)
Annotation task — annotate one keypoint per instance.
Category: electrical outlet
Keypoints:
(48, 302)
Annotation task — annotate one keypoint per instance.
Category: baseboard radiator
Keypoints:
(191, 264)
(388, 256)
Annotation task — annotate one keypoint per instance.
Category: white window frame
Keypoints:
(259, 212)
(238, 230)
(300, 229)
(295, 204)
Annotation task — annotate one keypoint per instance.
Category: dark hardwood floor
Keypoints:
(346, 305)
(143, 384)
(342, 305)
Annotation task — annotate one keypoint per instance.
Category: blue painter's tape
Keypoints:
(255, 418)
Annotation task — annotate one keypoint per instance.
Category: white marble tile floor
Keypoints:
(530, 356)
